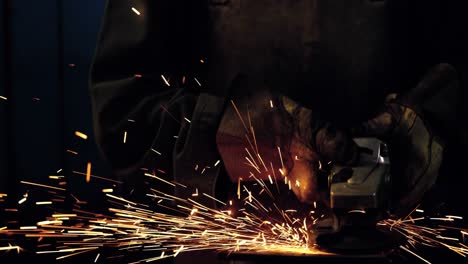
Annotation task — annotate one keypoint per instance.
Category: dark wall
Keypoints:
(3, 105)
(45, 52)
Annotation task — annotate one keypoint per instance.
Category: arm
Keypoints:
(151, 44)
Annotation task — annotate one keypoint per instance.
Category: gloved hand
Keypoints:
(408, 124)
(314, 143)
(415, 151)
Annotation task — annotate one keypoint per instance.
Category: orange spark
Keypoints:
(81, 135)
(42, 185)
(88, 172)
(72, 152)
(44, 203)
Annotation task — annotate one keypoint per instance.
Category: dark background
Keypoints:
(46, 48)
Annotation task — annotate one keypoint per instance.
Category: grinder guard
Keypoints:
(359, 198)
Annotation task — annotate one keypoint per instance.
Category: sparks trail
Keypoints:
(428, 232)
(252, 224)
(200, 228)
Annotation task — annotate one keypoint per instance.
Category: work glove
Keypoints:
(315, 144)
(409, 124)
(416, 151)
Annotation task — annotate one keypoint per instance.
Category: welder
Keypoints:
(165, 73)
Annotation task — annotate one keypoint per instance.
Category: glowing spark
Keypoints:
(42, 185)
(442, 219)
(188, 120)
(44, 203)
(88, 172)
(454, 217)
(137, 76)
(107, 190)
(10, 247)
(239, 115)
(263, 163)
(281, 158)
(22, 200)
(125, 137)
(160, 179)
(81, 135)
(97, 257)
(419, 211)
(214, 199)
(3, 97)
(271, 103)
(59, 170)
(49, 223)
(414, 254)
(239, 188)
(282, 172)
(3, 195)
(252, 131)
(298, 184)
(97, 177)
(28, 227)
(357, 211)
(269, 178)
(196, 192)
(136, 11)
(165, 80)
(64, 215)
(178, 251)
(157, 152)
(448, 238)
(120, 199)
(199, 84)
(217, 162)
(72, 152)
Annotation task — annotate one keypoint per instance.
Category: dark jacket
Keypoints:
(337, 57)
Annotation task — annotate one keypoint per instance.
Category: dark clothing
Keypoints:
(338, 58)
(273, 45)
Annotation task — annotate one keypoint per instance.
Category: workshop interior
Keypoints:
(309, 131)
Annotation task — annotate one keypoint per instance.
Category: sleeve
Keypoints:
(137, 82)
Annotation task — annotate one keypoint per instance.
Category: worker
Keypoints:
(165, 72)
